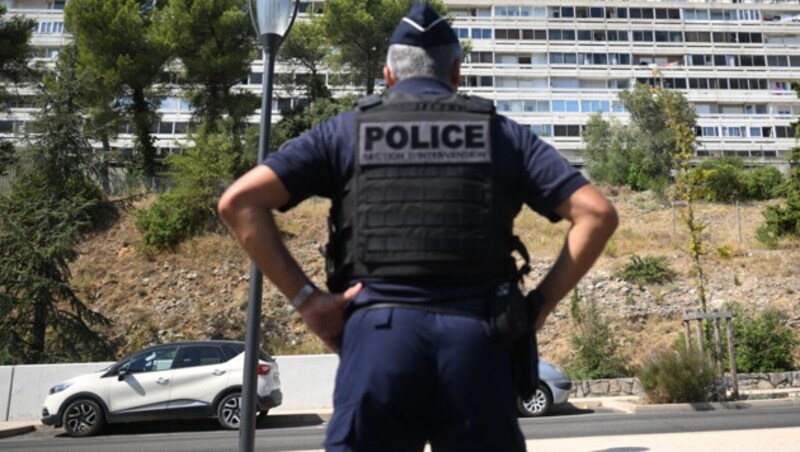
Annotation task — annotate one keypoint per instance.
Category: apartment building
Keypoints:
(550, 64)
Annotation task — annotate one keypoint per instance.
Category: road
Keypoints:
(306, 432)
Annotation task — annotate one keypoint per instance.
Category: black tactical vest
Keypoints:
(422, 200)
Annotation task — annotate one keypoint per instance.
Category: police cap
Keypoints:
(423, 27)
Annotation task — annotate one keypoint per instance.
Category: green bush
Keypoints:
(682, 376)
(763, 183)
(647, 270)
(726, 179)
(199, 176)
(720, 179)
(784, 220)
(596, 354)
(767, 237)
(171, 219)
(764, 343)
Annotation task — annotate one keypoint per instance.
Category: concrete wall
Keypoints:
(306, 381)
(32, 383)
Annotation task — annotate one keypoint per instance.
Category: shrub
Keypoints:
(595, 347)
(764, 343)
(767, 237)
(783, 220)
(198, 174)
(720, 179)
(169, 221)
(725, 179)
(682, 376)
(763, 183)
(647, 270)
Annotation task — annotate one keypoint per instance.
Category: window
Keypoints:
(462, 33)
(698, 36)
(784, 132)
(152, 361)
(50, 27)
(565, 106)
(542, 130)
(481, 33)
(696, 14)
(777, 60)
(643, 35)
(618, 13)
(567, 130)
(591, 106)
(617, 35)
(481, 57)
(198, 355)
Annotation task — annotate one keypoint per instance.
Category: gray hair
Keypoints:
(408, 61)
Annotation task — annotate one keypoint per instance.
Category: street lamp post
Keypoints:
(272, 20)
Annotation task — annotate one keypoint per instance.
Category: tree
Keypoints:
(296, 122)
(200, 174)
(307, 48)
(15, 49)
(641, 156)
(360, 30)
(115, 42)
(784, 220)
(52, 204)
(213, 40)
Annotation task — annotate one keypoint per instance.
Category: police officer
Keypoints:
(425, 185)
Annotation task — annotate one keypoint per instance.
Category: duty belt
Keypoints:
(473, 307)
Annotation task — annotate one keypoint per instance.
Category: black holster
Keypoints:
(512, 317)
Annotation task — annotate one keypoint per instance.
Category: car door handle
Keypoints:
(162, 380)
(218, 372)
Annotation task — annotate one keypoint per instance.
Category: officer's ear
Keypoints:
(388, 76)
(455, 75)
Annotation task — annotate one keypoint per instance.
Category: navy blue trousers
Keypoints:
(407, 376)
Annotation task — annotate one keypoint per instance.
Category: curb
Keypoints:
(634, 408)
(14, 431)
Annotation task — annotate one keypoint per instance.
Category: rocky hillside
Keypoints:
(200, 289)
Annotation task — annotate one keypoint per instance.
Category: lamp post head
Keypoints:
(272, 19)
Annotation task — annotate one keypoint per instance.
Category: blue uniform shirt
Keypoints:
(319, 162)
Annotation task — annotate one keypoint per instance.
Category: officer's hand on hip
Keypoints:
(324, 315)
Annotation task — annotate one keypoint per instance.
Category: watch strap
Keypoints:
(306, 291)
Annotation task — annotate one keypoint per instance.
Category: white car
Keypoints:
(171, 381)
(554, 388)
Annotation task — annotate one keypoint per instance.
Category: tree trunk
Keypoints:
(144, 150)
(39, 328)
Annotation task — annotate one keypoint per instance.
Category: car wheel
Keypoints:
(83, 417)
(228, 411)
(538, 404)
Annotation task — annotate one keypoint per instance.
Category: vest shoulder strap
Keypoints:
(365, 103)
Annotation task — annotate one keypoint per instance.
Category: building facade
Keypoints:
(551, 64)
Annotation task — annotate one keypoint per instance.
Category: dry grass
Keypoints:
(199, 290)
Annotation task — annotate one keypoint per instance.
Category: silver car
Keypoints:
(554, 388)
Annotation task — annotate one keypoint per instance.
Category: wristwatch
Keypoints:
(301, 297)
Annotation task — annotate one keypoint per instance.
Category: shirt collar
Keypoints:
(420, 86)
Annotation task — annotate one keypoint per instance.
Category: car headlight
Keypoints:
(60, 387)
